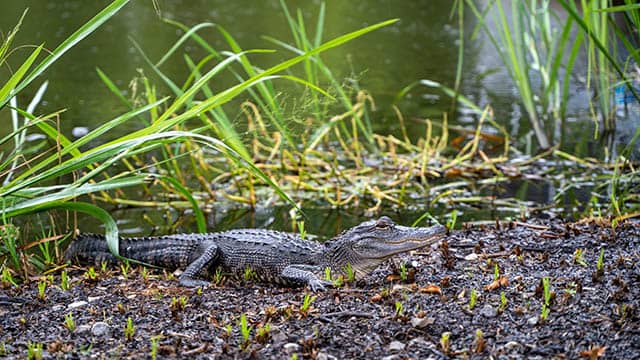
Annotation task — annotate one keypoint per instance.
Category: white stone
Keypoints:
(77, 304)
(396, 346)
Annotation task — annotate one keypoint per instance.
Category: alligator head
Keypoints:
(367, 245)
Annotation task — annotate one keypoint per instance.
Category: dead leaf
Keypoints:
(431, 289)
(594, 352)
(501, 281)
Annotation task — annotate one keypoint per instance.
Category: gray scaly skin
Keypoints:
(275, 257)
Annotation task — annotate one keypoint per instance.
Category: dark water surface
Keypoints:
(423, 45)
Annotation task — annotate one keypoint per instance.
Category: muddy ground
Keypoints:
(591, 313)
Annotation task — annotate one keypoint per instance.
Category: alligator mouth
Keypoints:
(432, 236)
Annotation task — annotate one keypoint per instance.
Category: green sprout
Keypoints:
(64, 280)
(306, 304)
(245, 330)
(144, 273)
(399, 309)
(69, 323)
(42, 287)
(91, 273)
(503, 302)
(403, 271)
(327, 273)
(479, 342)
(348, 270)
(178, 304)
(264, 333)
(154, 346)
(473, 298)
(34, 350)
(129, 329)
(125, 267)
(600, 263)
(547, 299)
(103, 266)
(228, 329)
(571, 289)
(249, 274)
(217, 276)
(7, 278)
(578, 257)
(496, 272)
(445, 341)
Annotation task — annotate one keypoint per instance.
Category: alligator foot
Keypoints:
(319, 285)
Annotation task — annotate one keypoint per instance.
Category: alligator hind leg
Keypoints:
(209, 256)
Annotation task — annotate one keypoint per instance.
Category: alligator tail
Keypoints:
(89, 249)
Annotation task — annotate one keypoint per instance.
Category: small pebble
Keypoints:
(100, 329)
(532, 320)
(471, 257)
(83, 329)
(278, 337)
(291, 347)
(324, 356)
(512, 345)
(419, 342)
(488, 311)
(420, 323)
(77, 304)
(396, 346)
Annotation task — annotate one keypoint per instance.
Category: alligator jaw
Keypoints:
(403, 239)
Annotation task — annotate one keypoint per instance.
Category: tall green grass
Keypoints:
(18, 195)
(37, 179)
(533, 52)
(539, 49)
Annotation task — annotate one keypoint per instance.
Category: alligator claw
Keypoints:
(319, 285)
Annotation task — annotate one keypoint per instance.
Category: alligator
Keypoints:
(275, 257)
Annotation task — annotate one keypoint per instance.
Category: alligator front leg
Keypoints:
(305, 274)
(209, 257)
